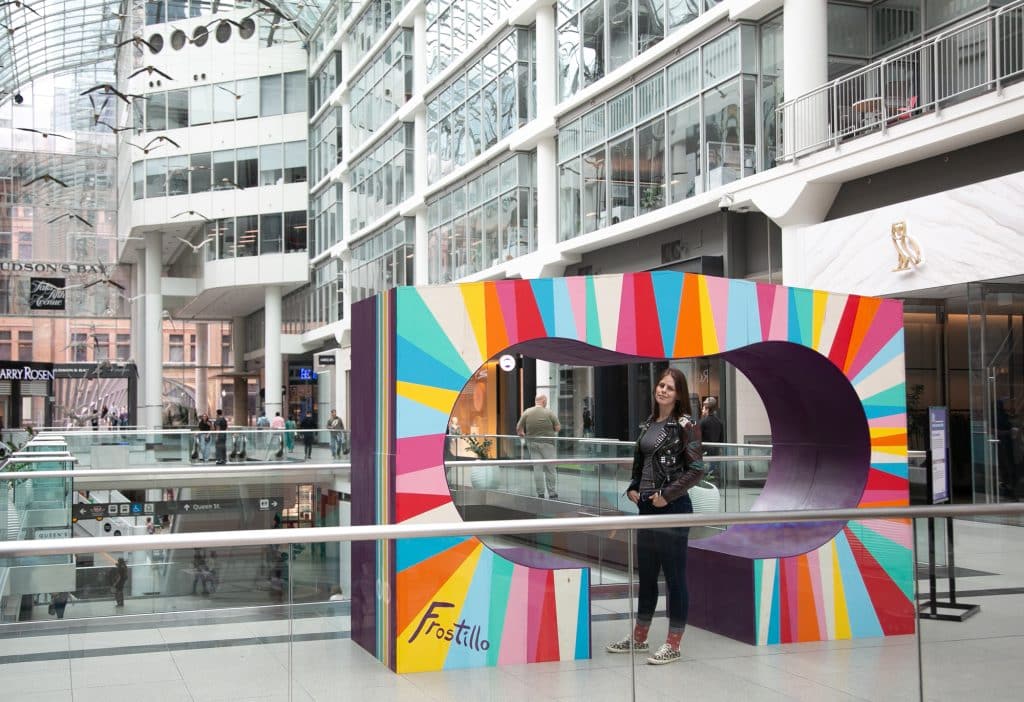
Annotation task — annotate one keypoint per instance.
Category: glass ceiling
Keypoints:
(42, 37)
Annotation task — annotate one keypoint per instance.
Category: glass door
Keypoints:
(996, 340)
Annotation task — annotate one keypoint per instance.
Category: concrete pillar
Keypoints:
(272, 349)
(241, 385)
(419, 50)
(547, 194)
(202, 361)
(805, 57)
(138, 337)
(547, 66)
(153, 366)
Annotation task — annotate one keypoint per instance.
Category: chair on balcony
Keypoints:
(906, 112)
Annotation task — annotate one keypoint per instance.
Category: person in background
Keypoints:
(220, 425)
(540, 426)
(120, 580)
(277, 426)
(204, 428)
(337, 429)
(59, 602)
(667, 462)
(289, 434)
(712, 431)
(308, 427)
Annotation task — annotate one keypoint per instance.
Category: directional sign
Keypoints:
(135, 509)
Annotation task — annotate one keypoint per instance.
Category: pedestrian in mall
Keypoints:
(308, 427)
(666, 464)
(120, 579)
(540, 426)
(59, 602)
(337, 429)
(277, 439)
(289, 433)
(204, 427)
(220, 426)
(712, 431)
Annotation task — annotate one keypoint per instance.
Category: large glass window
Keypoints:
(177, 109)
(247, 232)
(295, 231)
(453, 26)
(375, 19)
(650, 172)
(247, 161)
(271, 95)
(270, 233)
(271, 164)
(381, 88)
(295, 162)
(224, 99)
(684, 129)
(138, 182)
(156, 177)
(295, 92)
(156, 112)
(382, 178)
(177, 175)
(200, 105)
(223, 169)
(199, 171)
(247, 101)
(383, 260)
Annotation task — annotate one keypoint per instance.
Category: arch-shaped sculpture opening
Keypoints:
(820, 440)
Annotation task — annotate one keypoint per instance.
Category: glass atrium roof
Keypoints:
(42, 37)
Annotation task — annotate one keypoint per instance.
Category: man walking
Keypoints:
(220, 427)
(711, 428)
(337, 429)
(540, 426)
(277, 438)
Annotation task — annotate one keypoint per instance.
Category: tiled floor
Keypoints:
(256, 654)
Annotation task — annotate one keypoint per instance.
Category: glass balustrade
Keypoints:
(814, 637)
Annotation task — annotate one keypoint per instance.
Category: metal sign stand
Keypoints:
(929, 609)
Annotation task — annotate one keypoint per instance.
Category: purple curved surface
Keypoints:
(821, 446)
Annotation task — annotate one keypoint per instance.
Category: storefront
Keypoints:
(956, 259)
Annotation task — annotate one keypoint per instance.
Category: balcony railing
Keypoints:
(964, 61)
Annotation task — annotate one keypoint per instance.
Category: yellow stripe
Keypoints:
(880, 432)
(473, 296)
(842, 614)
(891, 450)
(436, 398)
(820, 304)
(708, 333)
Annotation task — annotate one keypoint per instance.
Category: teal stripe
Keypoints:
(801, 316)
(501, 585)
(420, 328)
(544, 296)
(593, 325)
(583, 617)
(411, 552)
(668, 293)
(895, 560)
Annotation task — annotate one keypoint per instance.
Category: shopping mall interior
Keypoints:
(225, 223)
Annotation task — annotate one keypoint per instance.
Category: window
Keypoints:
(225, 350)
(199, 172)
(5, 345)
(176, 348)
(192, 348)
(101, 347)
(124, 347)
(201, 105)
(383, 260)
(225, 235)
(24, 246)
(248, 167)
(177, 109)
(156, 177)
(177, 175)
(247, 104)
(270, 233)
(295, 92)
(25, 345)
(224, 100)
(156, 112)
(223, 169)
(271, 164)
(295, 162)
(295, 231)
(79, 347)
(271, 95)
(247, 229)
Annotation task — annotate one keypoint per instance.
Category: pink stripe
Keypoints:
(883, 496)
(418, 452)
(534, 612)
(897, 532)
(789, 571)
(889, 421)
(428, 481)
(507, 299)
(513, 634)
(764, 306)
(578, 299)
(814, 570)
(718, 294)
(626, 342)
(887, 322)
(780, 316)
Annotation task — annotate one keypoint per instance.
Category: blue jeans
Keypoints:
(337, 443)
(663, 550)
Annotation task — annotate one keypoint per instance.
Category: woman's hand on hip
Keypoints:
(658, 501)
(634, 496)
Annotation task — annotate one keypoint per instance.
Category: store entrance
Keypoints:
(996, 335)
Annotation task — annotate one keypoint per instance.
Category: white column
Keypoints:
(138, 337)
(547, 193)
(805, 58)
(422, 263)
(547, 65)
(153, 366)
(419, 50)
(202, 361)
(272, 350)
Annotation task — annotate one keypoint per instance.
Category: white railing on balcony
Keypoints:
(971, 58)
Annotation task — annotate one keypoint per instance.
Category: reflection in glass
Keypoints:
(248, 167)
(569, 199)
(620, 33)
(271, 95)
(177, 109)
(156, 177)
(271, 164)
(270, 233)
(201, 105)
(199, 172)
(722, 133)
(247, 228)
(650, 144)
(681, 12)
(595, 214)
(622, 175)
(592, 21)
(295, 231)
(223, 169)
(177, 175)
(156, 112)
(684, 151)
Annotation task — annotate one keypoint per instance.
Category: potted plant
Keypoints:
(481, 477)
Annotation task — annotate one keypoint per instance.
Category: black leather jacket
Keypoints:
(678, 459)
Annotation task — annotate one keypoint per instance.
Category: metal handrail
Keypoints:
(807, 115)
(261, 537)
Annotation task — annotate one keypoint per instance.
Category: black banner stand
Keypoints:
(929, 609)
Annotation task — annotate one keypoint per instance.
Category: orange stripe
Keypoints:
(894, 440)
(861, 324)
(688, 335)
(807, 613)
(422, 581)
(497, 337)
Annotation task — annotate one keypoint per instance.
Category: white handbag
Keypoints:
(705, 498)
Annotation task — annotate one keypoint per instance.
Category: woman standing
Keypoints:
(666, 464)
(289, 433)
